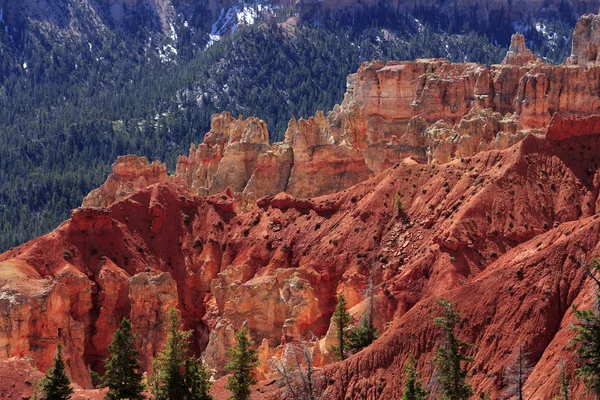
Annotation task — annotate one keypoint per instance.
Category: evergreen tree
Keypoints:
(56, 384)
(588, 336)
(365, 333)
(197, 379)
(362, 336)
(169, 380)
(244, 359)
(412, 386)
(341, 318)
(122, 377)
(450, 357)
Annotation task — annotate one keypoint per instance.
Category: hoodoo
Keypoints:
(430, 180)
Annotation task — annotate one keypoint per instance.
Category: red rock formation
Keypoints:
(468, 233)
(499, 227)
(563, 128)
(586, 38)
(431, 110)
(130, 173)
(518, 53)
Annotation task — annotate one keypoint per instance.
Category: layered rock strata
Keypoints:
(431, 110)
(467, 231)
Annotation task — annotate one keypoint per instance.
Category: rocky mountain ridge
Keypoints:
(501, 228)
(431, 110)
(57, 17)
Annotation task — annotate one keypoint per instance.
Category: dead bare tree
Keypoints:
(518, 372)
(297, 371)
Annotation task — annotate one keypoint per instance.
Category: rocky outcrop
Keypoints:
(129, 174)
(586, 39)
(562, 128)
(467, 232)
(431, 110)
(518, 53)
(227, 157)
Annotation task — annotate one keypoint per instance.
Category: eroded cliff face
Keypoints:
(467, 233)
(431, 110)
(586, 38)
(497, 173)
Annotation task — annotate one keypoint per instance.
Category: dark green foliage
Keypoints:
(450, 356)
(362, 336)
(96, 379)
(197, 380)
(341, 318)
(123, 378)
(56, 384)
(588, 337)
(243, 361)
(168, 382)
(412, 384)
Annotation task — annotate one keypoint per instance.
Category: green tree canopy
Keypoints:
(341, 318)
(450, 356)
(412, 384)
(244, 359)
(123, 378)
(168, 382)
(56, 384)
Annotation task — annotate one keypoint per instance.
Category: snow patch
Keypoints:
(229, 19)
(165, 52)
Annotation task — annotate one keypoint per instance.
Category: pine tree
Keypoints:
(341, 318)
(169, 380)
(361, 336)
(412, 387)
(56, 384)
(449, 357)
(588, 336)
(122, 377)
(197, 379)
(244, 359)
(365, 333)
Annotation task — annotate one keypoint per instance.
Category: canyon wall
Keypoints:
(479, 185)
(466, 232)
(431, 110)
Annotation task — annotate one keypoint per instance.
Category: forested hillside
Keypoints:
(68, 108)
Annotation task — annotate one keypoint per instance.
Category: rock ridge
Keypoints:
(430, 109)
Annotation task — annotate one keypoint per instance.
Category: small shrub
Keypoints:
(398, 204)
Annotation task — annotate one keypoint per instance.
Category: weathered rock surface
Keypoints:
(468, 233)
(431, 110)
(563, 128)
(586, 38)
(518, 53)
(129, 174)
(499, 224)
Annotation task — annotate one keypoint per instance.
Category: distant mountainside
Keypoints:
(82, 82)
(76, 17)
